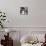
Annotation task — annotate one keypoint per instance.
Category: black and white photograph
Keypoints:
(24, 10)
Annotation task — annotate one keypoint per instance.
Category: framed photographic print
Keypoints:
(23, 10)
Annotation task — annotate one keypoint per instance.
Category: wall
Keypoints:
(38, 12)
(35, 18)
(12, 8)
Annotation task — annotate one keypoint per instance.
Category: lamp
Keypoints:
(7, 31)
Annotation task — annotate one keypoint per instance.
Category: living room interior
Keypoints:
(22, 22)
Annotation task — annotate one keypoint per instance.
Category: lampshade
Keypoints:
(7, 30)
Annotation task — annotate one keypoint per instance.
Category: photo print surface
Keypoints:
(24, 10)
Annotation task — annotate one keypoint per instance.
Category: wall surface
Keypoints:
(36, 16)
(38, 13)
